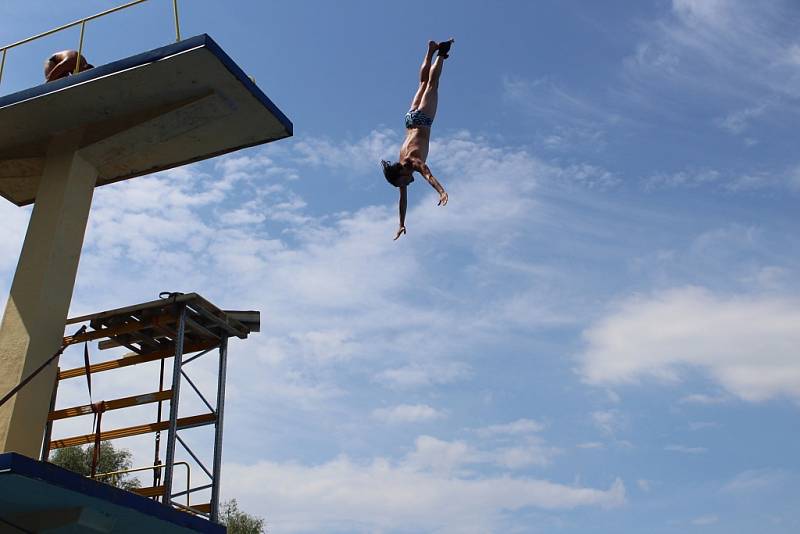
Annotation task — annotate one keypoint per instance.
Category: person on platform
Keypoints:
(414, 152)
(62, 64)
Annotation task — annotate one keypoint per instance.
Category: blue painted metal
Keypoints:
(31, 486)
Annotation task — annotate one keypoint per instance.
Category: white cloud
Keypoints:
(792, 178)
(755, 480)
(514, 428)
(781, 179)
(589, 176)
(424, 374)
(688, 178)
(15, 219)
(747, 344)
(456, 456)
(702, 398)
(686, 450)
(591, 445)
(546, 98)
(706, 12)
(408, 413)
(738, 121)
(566, 119)
(709, 519)
(702, 425)
(769, 277)
(361, 155)
(608, 421)
(736, 56)
(533, 453)
(443, 457)
(329, 345)
(380, 495)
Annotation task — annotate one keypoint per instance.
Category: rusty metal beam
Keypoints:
(126, 328)
(133, 360)
(116, 404)
(184, 422)
(124, 342)
(197, 327)
(202, 508)
(153, 491)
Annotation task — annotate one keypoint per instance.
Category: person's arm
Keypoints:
(403, 204)
(67, 66)
(422, 168)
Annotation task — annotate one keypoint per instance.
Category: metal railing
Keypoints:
(82, 23)
(154, 468)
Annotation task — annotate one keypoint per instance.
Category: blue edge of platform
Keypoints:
(149, 57)
(17, 464)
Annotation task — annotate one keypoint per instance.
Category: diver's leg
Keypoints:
(430, 97)
(424, 74)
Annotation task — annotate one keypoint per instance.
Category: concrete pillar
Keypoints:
(33, 323)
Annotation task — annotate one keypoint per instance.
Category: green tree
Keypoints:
(239, 522)
(79, 459)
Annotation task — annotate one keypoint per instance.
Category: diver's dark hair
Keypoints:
(390, 172)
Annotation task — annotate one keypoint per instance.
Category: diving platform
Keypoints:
(181, 103)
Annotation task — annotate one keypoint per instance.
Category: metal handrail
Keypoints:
(154, 467)
(82, 22)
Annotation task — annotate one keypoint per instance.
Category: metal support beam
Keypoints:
(48, 431)
(116, 404)
(173, 405)
(223, 364)
(132, 360)
(199, 394)
(197, 356)
(194, 457)
(184, 422)
(191, 490)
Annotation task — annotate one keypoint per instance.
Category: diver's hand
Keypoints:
(400, 232)
(442, 198)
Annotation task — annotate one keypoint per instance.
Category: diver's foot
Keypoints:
(432, 46)
(444, 48)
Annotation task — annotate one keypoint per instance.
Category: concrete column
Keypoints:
(33, 323)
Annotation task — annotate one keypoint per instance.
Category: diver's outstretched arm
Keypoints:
(403, 204)
(422, 168)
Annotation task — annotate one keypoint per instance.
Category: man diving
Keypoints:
(419, 119)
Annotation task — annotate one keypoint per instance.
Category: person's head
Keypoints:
(50, 64)
(69, 58)
(397, 173)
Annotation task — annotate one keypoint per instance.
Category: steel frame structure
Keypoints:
(176, 326)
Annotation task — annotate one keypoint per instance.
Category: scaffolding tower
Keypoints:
(183, 327)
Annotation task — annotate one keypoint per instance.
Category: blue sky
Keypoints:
(598, 333)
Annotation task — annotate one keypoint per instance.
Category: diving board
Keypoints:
(174, 105)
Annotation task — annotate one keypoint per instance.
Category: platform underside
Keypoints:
(174, 105)
(40, 497)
